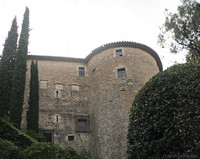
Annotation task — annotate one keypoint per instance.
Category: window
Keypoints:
(70, 137)
(56, 118)
(121, 73)
(74, 92)
(82, 123)
(56, 94)
(81, 71)
(119, 52)
(48, 137)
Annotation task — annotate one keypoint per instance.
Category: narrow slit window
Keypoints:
(56, 94)
(121, 73)
(57, 118)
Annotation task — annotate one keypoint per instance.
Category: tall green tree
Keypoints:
(33, 114)
(181, 30)
(7, 65)
(18, 87)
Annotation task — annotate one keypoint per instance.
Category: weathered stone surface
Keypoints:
(100, 98)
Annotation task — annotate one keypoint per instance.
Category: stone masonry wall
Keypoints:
(112, 97)
(100, 97)
(62, 77)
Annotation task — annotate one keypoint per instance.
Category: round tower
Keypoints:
(117, 71)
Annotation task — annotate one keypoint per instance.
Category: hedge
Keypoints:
(165, 116)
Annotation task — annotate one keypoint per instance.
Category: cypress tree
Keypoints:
(7, 64)
(17, 96)
(33, 117)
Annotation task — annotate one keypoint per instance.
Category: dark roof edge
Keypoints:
(100, 49)
(127, 44)
(56, 58)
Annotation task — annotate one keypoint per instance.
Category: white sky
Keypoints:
(74, 28)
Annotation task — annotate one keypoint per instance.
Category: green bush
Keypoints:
(10, 133)
(9, 151)
(49, 151)
(42, 150)
(165, 116)
(35, 136)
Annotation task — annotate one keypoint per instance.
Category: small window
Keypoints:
(119, 52)
(57, 94)
(70, 137)
(82, 124)
(74, 92)
(26, 113)
(48, 137)
(57, 118)
(121, 73)
(81, 71)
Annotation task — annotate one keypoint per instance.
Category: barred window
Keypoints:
(121, 73)
(81, 71)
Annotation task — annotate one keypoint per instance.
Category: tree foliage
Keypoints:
(165, 116)
(7, 65)
(10, 133)
(183, 30)
(17, 96)
(33, 116)
(9, 151)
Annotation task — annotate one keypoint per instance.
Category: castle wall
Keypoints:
(112, 97)
(63, 96)
(91, 111)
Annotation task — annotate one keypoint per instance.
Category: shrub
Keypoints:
(9, 151)
(165, 116)
(35, 136)
(10, 133)
(41, 151)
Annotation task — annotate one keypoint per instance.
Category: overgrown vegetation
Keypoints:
(35, 136)
(9, 151)
(10, 133)
(165, 116)
(16, 145)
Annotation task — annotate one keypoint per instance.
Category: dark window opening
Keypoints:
(56, 94)
(121, 73)
(82, 124)
(48, 137)
(81, 71)
(70, 137)
(119, 52)
(57, 118)
(26, 112)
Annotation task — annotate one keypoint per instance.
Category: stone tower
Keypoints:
(84, 103)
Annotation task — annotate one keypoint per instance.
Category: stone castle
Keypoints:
(84, 103)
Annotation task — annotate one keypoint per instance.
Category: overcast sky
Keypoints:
(74, 28)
